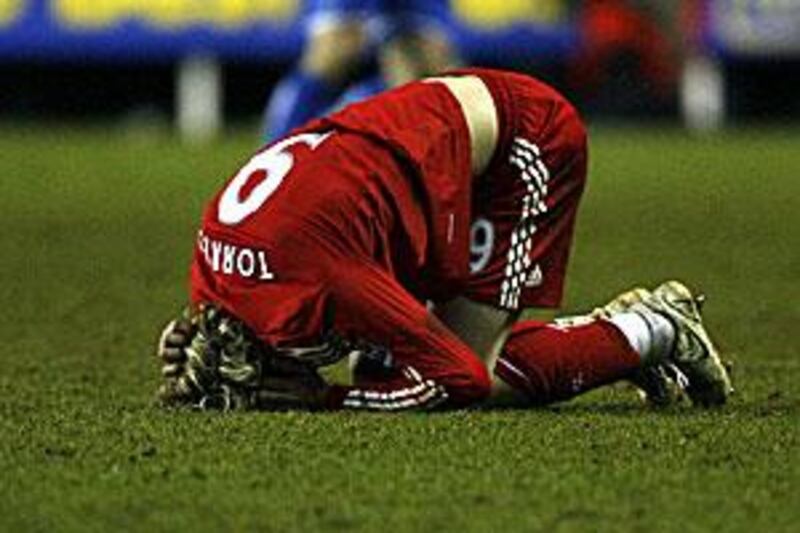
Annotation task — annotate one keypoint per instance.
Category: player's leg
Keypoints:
(519, 260)
(416, 361)
(416, 40)
(521, 240)
(549, 362)
(336, 39)
(484, 328)
(416, 55)
(656, 339)
(542, 362)
(659, 385)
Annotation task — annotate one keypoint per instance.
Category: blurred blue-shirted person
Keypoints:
(409, 39)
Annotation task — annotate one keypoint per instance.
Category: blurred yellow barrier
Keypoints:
(172, 13)
(231, 13)
(9, 11)
(499, 13)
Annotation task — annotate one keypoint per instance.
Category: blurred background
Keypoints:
(198, 66)
(120, 118)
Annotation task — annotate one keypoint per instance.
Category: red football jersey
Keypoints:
(388, 181)
(386, 184)
(523, 207)
(354, 221)
(425, 130)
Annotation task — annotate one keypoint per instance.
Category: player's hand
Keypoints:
(172, 344)
(279, 381)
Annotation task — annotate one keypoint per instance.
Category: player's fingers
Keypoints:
(182, 326)
(175, 334)
(171, 370)
(176, 339)
(172, 355)
(175, 391)
(162, 339)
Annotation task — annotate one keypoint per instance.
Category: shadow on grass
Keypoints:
(774, 404)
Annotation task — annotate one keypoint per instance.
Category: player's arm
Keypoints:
(210, 360)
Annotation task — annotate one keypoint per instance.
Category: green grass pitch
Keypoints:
(97, 228)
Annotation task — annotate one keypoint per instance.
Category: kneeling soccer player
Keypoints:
(409, 230)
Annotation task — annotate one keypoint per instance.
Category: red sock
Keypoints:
(551, 364)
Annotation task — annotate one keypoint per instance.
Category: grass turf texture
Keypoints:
(98, 228)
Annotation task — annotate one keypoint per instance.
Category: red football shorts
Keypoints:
(524, 207)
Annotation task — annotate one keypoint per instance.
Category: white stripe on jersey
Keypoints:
(526, 156)
(425, 394)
